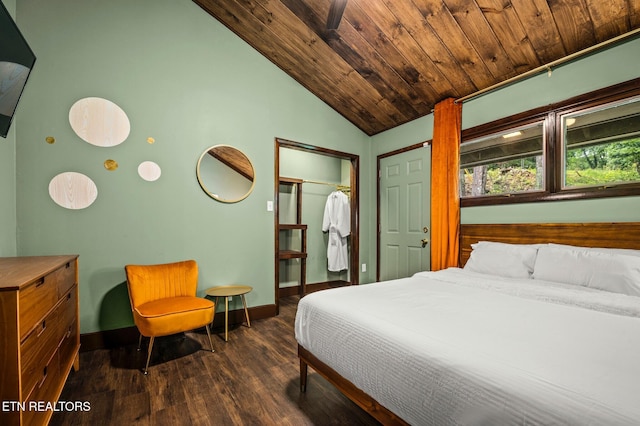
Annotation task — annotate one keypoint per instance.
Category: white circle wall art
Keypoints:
(99, 122)
(149, 171)
(73, 190)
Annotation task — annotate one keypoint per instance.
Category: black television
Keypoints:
(16, 63)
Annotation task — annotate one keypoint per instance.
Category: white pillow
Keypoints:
(627, 252)
(507, 246)
(616, 273)
(505, 260)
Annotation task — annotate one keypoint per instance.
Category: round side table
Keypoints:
(228, 291)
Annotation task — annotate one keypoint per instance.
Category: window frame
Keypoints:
(551, 115)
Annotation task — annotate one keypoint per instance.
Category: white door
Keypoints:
(405, 218)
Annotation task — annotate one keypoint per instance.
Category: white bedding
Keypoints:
(454, 347)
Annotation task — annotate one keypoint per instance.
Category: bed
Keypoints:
(560, 345)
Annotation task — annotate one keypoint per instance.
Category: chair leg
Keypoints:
(209, 334)
(146, 368)
(139, 343)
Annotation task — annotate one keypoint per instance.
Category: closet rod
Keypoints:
(337, 185)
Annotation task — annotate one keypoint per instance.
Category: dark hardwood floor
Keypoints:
(250, 380)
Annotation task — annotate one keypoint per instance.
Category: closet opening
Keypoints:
(315, 191)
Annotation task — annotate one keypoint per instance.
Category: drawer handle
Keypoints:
(44, 377)
(40, 282)
(69, 296)
(68, 265)
(44, 326)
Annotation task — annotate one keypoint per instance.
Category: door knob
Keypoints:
(424, 242)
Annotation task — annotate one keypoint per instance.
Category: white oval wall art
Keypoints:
(73, 190)
(149, 171)
(99, 122)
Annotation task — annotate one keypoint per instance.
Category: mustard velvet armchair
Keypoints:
(163, 301)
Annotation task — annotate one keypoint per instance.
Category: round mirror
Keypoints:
(225, 173)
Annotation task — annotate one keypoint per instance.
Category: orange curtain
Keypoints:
(445, 198)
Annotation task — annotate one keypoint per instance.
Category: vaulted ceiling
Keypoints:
(382, 63)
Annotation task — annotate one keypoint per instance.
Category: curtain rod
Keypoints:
(548, 67)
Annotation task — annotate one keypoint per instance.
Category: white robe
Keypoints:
(337, 221)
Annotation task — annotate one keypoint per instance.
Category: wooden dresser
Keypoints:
(39, 335)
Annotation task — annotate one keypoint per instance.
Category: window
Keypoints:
(601, 147)
(509, 162)
(586, 147)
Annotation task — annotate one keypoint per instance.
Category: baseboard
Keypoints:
(108, 339)
(289, 291)
(295, 290)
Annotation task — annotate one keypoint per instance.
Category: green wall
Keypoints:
(615, 65)
(8, 221)
(188, 82)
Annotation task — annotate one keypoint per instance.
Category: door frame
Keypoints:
(354, 183)
(379, 175)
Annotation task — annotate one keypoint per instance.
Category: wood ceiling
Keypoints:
(390, 61)
(234, 159)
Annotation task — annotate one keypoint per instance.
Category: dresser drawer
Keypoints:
(68, 306)
(39, 347)
(36, 300)
(68, 327)
(66, 277)
(69, 347)
(46, 390)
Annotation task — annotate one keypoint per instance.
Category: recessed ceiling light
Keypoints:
(512, 135)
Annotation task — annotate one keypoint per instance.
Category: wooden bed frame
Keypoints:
(610, 234)
(596, 234)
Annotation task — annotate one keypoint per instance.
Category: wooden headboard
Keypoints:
(596, 234)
